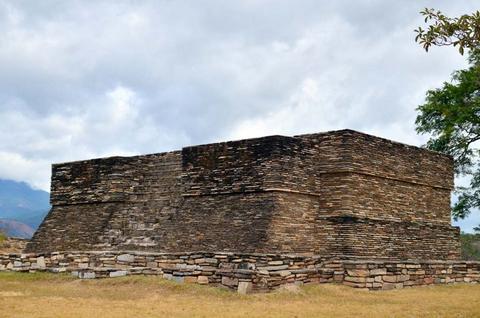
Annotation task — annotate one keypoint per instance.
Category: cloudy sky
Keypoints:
(83, 79)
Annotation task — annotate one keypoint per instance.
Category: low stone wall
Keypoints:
(247, 272)
(12, 245)
(386, 275)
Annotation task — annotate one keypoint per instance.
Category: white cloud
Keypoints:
(15, 167)
(87, 79)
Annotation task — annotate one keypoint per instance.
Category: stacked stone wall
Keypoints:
(231, 167)
(248, 272)
(328, 194)
(399, 200)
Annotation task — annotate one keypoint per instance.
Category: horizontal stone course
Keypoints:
(334, 193)
(247, 272)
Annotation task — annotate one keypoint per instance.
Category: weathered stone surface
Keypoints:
(390, 278)
(190, 279)
(41, 262)
(355, 279)
(244, 287)
(126, 258)
(308, 269)
(229, 281)
(275, 263)
(378, 271)
(402, 278)
(358, 272)
(340, 193)
(86, 275)
(118, 273)
(202, 280)
(273, 268)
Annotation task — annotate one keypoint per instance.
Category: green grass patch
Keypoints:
(38, 276)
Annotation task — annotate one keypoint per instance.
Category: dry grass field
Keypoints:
(47, 295)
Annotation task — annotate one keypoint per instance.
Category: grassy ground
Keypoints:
(47, 295)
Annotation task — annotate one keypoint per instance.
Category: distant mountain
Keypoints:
(19, 203)
(16, 229)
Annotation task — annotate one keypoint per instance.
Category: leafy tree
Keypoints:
(451, 114)
(3, 237)
(462, 32)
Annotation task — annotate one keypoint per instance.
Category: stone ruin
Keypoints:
(259, 213)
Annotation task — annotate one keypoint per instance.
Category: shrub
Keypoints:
(3, 236)
(470, 246)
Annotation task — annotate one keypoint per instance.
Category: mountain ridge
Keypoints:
(22, 208)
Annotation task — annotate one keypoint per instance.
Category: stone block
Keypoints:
(390, 278)
(229, 281)
(283, 273)
(402, 278)
(41, 262)
(118, 273)
(244, 287)
(126, 258)
(275, 263)
(87, 275)
(190, 279)
(355, 279)
(272, 268)
(358, 272)
(203, 280)
(378, 271)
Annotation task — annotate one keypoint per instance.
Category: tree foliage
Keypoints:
(470, 246)
(451, 115)
(462, 32)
